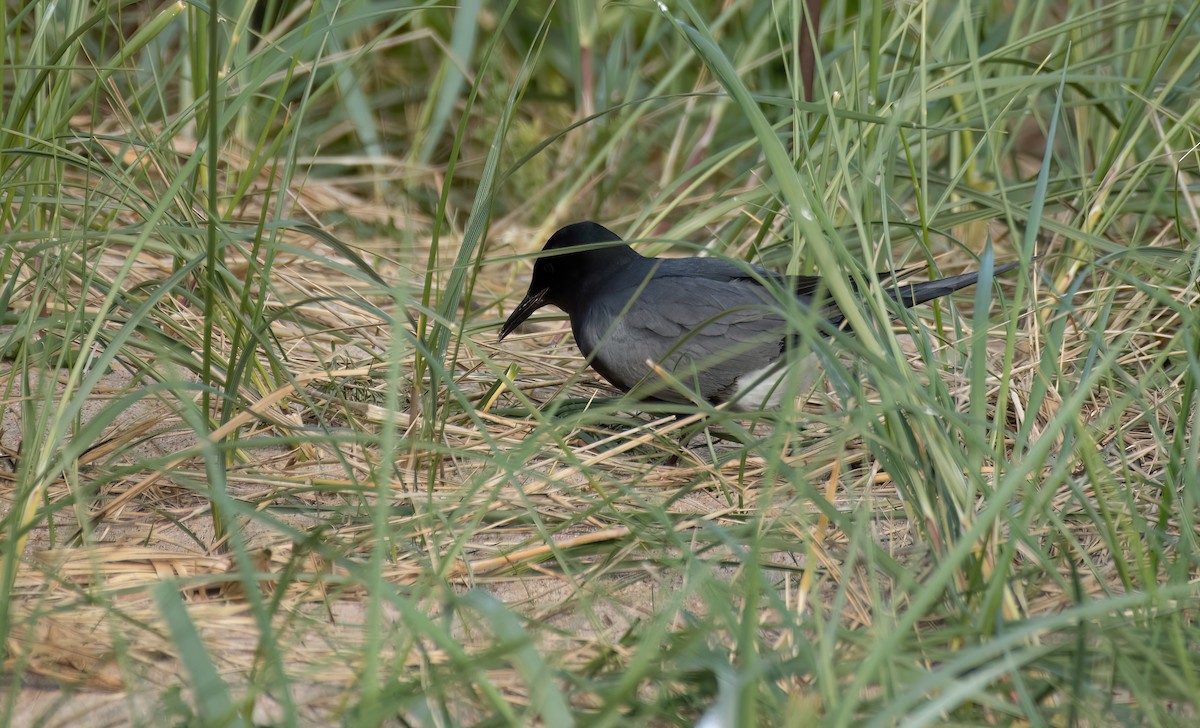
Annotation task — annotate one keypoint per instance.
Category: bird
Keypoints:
(712, 326)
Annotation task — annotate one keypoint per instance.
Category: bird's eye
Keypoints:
(548, 268)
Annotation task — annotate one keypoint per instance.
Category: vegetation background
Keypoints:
(264, 463)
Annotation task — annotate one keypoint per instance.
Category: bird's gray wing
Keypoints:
(718, 269)
(705, 330)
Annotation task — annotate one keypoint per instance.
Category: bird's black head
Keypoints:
(574, 259)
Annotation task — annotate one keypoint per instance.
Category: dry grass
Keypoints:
(1021, 503)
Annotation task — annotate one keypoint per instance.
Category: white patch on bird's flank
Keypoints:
(759, 389)
(764, 388)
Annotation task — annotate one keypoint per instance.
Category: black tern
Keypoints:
(709, 324)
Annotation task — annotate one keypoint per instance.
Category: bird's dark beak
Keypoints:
(532, 302)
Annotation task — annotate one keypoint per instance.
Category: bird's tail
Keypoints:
(914, 293)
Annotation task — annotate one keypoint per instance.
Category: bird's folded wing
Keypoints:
(716, 269)
(706, 332)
